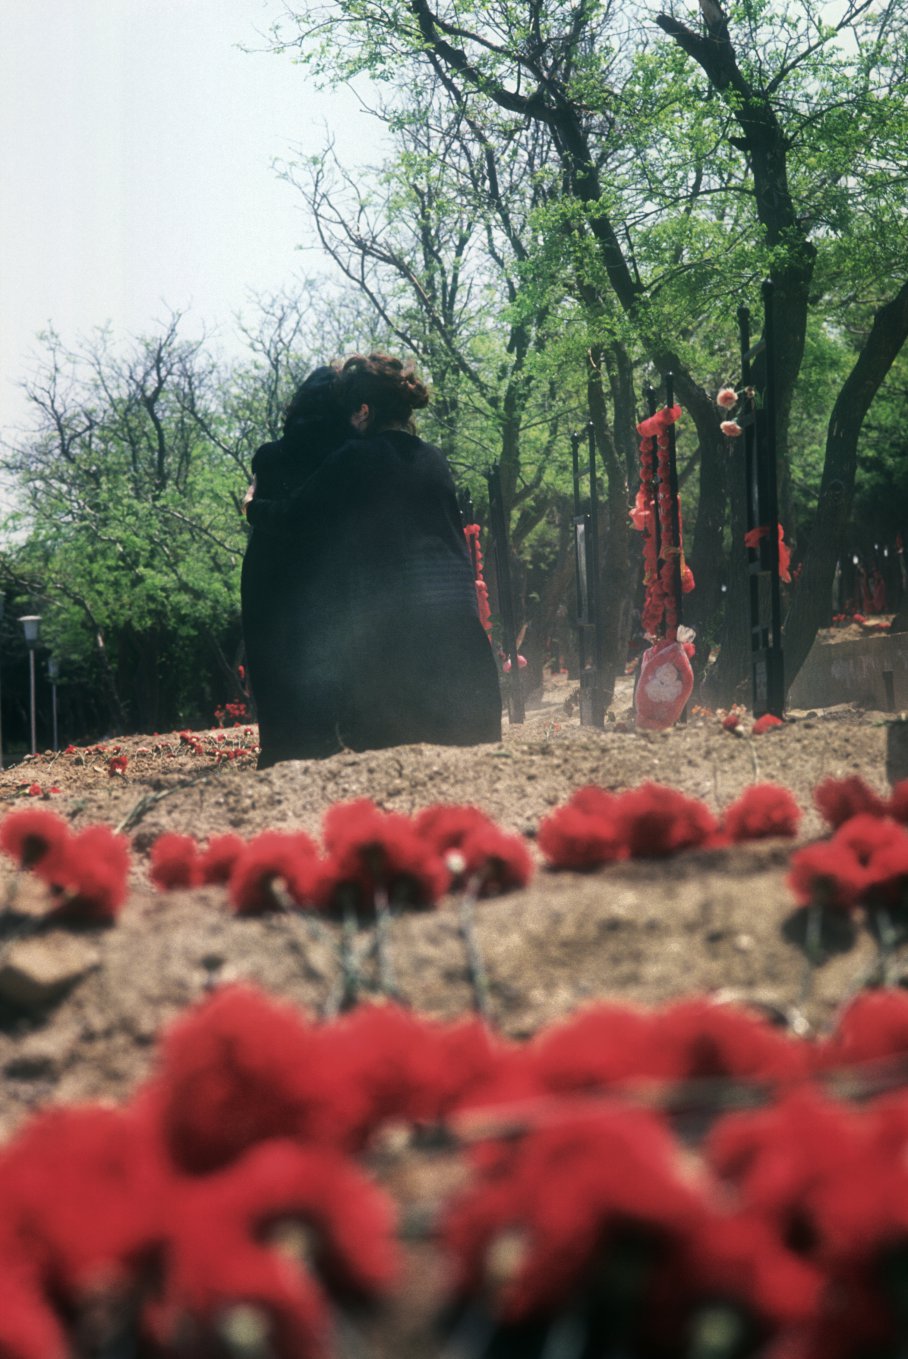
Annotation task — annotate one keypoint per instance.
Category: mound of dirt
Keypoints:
(647, 930)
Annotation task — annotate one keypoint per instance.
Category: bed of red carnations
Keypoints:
(687, 1181)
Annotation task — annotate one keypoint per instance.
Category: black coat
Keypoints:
(396, 641)
(277, 600)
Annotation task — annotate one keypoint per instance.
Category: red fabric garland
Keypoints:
(471, 533)
(660, 611)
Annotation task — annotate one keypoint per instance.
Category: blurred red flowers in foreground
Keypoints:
(225, 1196)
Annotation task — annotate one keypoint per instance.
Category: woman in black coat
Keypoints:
(278, 599)
(400, 646)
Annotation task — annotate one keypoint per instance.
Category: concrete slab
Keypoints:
(871, 671)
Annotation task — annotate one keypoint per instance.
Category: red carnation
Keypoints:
(762, 810)
(447, 826)
(283, 1232)
(217, 859)
(272, 858)
(29, 1327)
(235, 1070)
(839, 799)
(117, 765)
(372, 851)
(768, 722)
(174, 862)
(496, 860)
(659, 821)
(585, 832)
(34, 838)
(597, 1047)
(93, 877)
(826, 875)
(698, 1039)
(82, 1187)
(897, 806)
(543, 1220)
(873, 1026)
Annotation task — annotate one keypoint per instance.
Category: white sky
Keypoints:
(136, 149)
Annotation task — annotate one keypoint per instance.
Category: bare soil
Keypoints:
(645, 931)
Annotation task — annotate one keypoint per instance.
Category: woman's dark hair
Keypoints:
(391, 390)
(313, 410)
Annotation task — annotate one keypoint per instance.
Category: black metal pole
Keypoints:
(771, 482)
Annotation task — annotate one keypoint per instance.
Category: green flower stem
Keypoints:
(888, 939)
(383, 920)
(813, 951)
(475, 964)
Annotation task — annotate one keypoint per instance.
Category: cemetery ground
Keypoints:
(78, 1018)
(81, 1015)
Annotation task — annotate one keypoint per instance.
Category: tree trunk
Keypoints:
(616, 588)
(810, 603)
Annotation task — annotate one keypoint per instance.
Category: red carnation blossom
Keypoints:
(571, 838)
(601, 1045)
(839, 799)
(82, 1187)
(235, 1070)
(383, 1061)
(873, 1026)
(897, 806)
(743, 1261)
(762, 810)
(29, 1328)
(35, 790)
(782, 1160)
(93, 877)
(826, 875)
(475, 1069)
(866, 836)
(447, 826)
(594, 801)
(35, 839)
(543, 1219)
(659, 821)
(372, 851)
(117, 765)
(496, 860)
(768, 722)
(698, 1039)
(284, 1231)
(217, 859)
(174, 862)
(271, 858)
(585, 832)
(731, 721)
(887, 876)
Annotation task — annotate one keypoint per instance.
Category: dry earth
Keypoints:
(646, 931)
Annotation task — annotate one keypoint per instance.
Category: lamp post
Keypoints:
(53, 674)
(2, 609)
(31, 624)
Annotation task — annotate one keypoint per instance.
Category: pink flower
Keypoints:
(731, 429)
(727, 398)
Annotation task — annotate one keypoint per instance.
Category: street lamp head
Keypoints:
(31, 626)
(53, 668)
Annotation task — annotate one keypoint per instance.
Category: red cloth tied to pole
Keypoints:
(753, 538)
